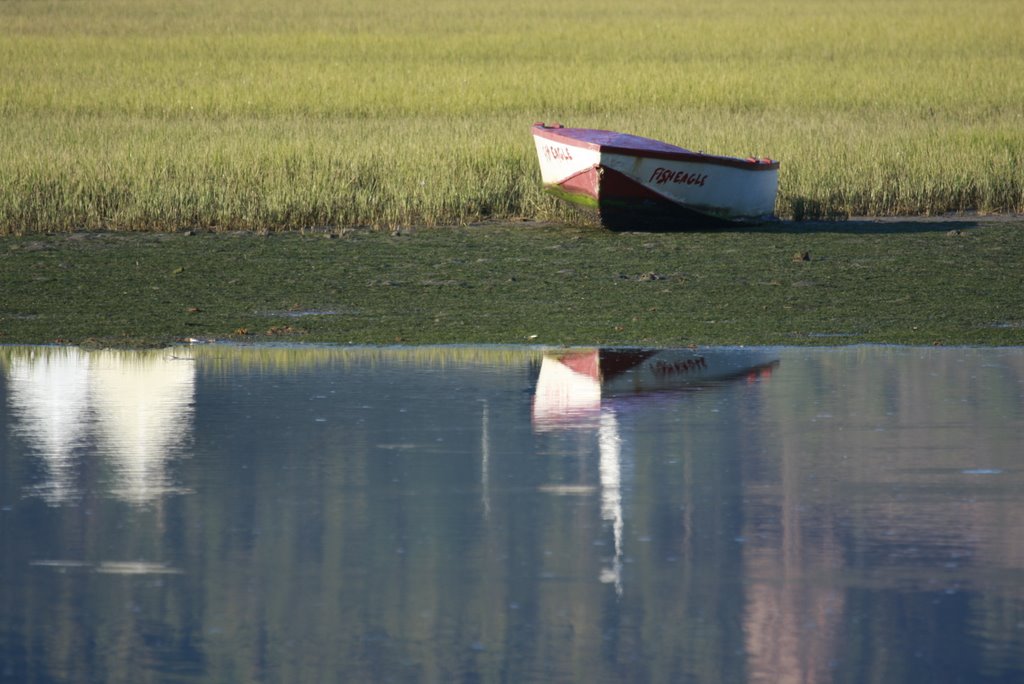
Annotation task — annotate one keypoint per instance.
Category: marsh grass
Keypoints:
(270, 115)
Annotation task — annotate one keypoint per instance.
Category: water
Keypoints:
(224, 514)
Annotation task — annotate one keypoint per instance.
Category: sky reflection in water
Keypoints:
(506, 514)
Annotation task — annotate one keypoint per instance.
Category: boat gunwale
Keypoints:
(559, 135)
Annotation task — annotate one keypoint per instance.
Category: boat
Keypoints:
(574, 383)
(636, 183)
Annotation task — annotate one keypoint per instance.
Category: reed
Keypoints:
(306, 114)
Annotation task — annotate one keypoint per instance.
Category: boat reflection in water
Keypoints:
(572, 383)
(577, 390)
(135, 408)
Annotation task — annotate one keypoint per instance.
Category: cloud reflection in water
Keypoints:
(135, 407)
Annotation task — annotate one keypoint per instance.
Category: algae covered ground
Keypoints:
(909, 282)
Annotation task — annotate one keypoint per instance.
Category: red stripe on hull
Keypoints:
(618, 187)
(622, 203)
(584, 184)
(584, 363)
(615, 362)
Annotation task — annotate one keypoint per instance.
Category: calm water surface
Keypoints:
(225, 514)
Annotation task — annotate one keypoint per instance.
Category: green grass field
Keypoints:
(267, 114)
